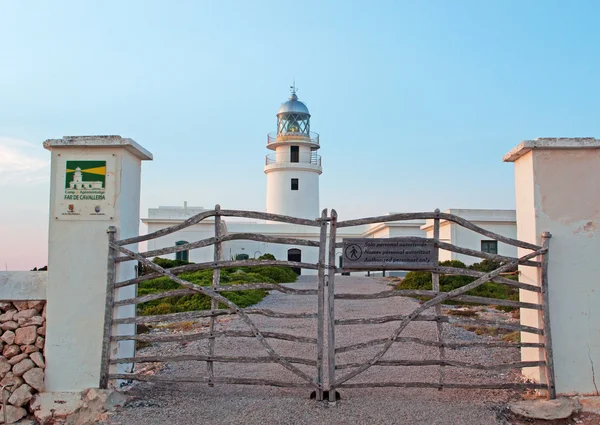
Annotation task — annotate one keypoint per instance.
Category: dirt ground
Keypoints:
(190, 403)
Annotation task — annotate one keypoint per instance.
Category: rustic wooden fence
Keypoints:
(118, 253)
(538, 257)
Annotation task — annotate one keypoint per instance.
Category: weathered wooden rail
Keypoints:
(326, 350)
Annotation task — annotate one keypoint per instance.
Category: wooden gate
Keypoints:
(326, 268)
(435, 299)
(119, 253)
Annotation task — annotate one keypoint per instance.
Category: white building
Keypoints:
(503, 222)
(293, 172)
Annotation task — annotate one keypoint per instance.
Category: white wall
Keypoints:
(558, 191)
(502, 222)
(206, 230)
(190, 234)
(469, 239)
(21, 286)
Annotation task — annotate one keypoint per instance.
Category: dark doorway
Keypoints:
(295, 254)
(294, 154)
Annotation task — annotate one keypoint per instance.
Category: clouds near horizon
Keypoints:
(22, 162)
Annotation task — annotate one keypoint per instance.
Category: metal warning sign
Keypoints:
(389, 254)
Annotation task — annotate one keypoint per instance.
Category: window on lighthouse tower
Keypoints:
(293, 126)
(294, 184)
(294, 153)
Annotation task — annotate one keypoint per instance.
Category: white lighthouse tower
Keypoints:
(293, 169)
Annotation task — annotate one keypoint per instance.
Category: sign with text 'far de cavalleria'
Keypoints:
(86, 189)
(389, 254)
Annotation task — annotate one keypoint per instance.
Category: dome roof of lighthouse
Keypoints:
(293, 106)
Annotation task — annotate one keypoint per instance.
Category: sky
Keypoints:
(415, 102)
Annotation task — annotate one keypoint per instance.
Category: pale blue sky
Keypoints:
(416, 102)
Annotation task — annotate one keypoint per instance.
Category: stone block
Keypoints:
(42, 330)
(21, 305)
(39, 342)
(8, 337)
(29, 349)
(11, 379)
(13, 414)
(26, 335)
(23, 366)
(589, 404)
(51, 406)
(35, 320)
(9, 326)
(11, 350)
(561, 408)
(25, 314)
(37, 305)
(21, 396)
(16, 359)
(35, 378)
(4, 366)
(5, 317)
(38, 359)
(5, 305)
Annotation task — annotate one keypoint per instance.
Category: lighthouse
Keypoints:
(293, 169)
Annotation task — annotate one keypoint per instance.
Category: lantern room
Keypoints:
(293, 125)
(293, 118)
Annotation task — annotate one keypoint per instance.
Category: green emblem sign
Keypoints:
(85, 180)
(88, 189)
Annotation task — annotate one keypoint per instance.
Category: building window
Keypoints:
(491, 247)
(295, 254)
(294, 184)
(294, 154)
(182, 255)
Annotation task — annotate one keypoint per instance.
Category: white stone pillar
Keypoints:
(558, 191)
(80, 214)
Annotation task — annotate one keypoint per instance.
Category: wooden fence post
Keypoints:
(331, 306)
(109, 307)
(546, 314)
(214, 304)
(435, 277)
(321, 304)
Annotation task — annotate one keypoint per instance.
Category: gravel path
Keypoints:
(236, 404)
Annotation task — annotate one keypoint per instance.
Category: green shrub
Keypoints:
(165, 263)
(278, 274)
(486, 266)
(422, 280)
(229, 276)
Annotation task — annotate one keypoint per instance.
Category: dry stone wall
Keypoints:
(23, 325)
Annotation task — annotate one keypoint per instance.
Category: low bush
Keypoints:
(276, 273)
(229, 276)
(462, 313)
(422, 280)
(512, 337)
